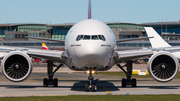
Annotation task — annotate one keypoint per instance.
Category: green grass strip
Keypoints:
(96, 98)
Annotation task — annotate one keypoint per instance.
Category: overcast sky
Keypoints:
(72, 11)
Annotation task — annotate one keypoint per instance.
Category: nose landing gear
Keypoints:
(90, 86)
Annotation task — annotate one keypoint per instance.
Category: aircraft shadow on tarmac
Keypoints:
(159, 87)
(101, 86)
(19, 86)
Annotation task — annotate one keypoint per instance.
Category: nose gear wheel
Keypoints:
(90, 86)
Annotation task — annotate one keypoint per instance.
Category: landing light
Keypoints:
(93, 72)
(89, 72)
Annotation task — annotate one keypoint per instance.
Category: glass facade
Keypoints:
(5, 28)
(28, 28)
(35, 34)
(165, 28)
(123, 26)
(134, 44)
(22, 28)
(60, 32)
(1, 31)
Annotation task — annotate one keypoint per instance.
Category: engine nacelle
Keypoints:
(16, 66)
(163, 66)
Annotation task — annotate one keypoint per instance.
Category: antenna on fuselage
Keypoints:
(89, 10)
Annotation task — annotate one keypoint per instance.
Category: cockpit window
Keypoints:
(101, 37)
(92, 37)
(95, 37)
(87, 37)
(78, 38)
(81, 37)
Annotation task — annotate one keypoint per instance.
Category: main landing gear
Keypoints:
(50, 80)
(128, 80)
(90, 86)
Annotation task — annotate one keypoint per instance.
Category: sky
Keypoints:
(73, 11)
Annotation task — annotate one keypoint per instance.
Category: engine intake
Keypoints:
(163, 66)
(16, 66)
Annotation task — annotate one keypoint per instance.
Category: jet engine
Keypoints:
(16, 66)
(163, 66)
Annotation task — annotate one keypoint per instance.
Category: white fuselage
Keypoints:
(87, 50)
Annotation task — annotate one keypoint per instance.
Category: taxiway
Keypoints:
(72, 83)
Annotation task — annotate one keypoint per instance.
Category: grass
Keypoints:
(122, 74)
(96, 98)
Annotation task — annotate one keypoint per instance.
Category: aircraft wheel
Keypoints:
(55, 82)
(123, 82)
(87, 89)
(134, 82)
(45, 82)
(94, 87)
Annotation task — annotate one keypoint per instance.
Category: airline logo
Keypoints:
(44, 46)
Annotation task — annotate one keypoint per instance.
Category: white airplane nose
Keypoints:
(91, 48)
(92, 53)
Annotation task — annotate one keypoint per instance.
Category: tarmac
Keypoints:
(73, 83)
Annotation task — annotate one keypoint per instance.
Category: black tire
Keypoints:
(134, 83)
(123, 82)
(94, 87)
(87, 89)
(55, 82)
(45, 82)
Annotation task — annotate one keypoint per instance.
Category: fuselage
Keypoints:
(90, 44)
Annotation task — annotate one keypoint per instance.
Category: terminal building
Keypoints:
(14, 34)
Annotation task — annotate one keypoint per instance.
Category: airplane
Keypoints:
(90, 45)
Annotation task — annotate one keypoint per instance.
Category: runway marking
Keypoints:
(61, 79)
(139, 72)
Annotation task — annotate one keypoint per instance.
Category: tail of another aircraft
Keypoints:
(157, 41)
(44, 46)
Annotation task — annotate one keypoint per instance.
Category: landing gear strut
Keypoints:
(90, 86)
(128, 80)
(50, 80)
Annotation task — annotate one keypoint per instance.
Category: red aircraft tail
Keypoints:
(89, 10)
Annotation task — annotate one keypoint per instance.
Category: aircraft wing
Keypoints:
(122, 56)
(53, 55)
(127, 55)
(133, 39)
